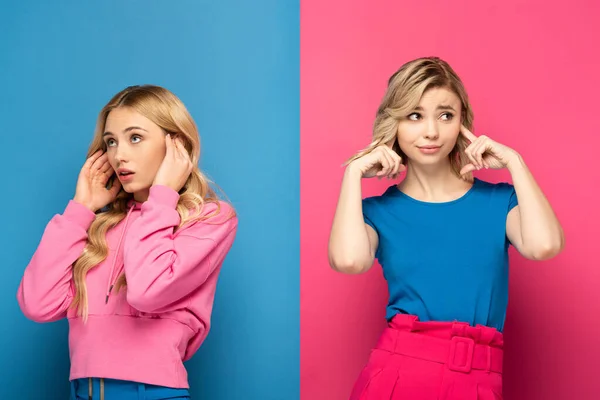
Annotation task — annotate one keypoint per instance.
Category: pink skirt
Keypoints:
(433, 361)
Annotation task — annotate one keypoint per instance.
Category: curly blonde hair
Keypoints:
(404, 92)
(167, 111)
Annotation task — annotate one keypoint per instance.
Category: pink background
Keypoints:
(532, 71)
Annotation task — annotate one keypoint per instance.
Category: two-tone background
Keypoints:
(283, 91)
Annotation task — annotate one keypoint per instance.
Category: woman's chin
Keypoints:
(427, 159)
(430, 160)
(134, 187)
(127, 188)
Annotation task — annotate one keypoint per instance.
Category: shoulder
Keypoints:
(501, 194)
(383, 198)
(499, 188)
(219, 212)
(376, 208)
(216, 218)
(371, 201)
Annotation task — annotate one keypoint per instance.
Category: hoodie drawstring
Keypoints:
(91, 389)
(111, 284)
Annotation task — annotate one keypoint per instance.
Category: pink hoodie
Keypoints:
(142, 333)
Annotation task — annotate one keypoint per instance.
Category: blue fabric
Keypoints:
(124, 390)
(445, 261)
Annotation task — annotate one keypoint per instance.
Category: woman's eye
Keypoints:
(135, 139)
(111, 142)
(447, 116)
(414, 116)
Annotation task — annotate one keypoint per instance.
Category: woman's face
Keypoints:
(135, 147)
(429, 133)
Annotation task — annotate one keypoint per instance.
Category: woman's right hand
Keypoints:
(381, 162)
(91, 185)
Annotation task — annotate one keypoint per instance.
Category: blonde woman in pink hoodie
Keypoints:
(134, 259)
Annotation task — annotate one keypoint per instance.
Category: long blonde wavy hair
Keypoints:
(166, 110)
(404, 92)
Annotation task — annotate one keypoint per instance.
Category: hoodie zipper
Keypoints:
(111, 279)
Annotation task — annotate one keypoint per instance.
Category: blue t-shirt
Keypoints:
(445, 261)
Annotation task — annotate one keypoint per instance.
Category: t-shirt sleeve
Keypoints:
(513, 201)
(368, 213)
(506, 195)
(510, 196)
(369, 207)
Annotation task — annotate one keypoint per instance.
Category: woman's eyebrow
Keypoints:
(131, 128)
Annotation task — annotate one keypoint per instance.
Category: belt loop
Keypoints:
(90, 389)
(476, 334)
(458, 329)
(414, 324)
(73, 384)
(101, 388)
(141, 391)
(487, 335)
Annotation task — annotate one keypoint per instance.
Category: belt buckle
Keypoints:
(461, 345)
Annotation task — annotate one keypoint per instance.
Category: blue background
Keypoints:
(236, 67)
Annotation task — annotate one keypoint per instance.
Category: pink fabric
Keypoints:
(433, 361)
(143, 333)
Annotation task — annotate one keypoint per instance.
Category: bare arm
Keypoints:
(353, 243)
(532, 226)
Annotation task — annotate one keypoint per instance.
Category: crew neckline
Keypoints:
(396, 191)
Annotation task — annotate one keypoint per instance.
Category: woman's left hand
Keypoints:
(483, 152)
(176, 167)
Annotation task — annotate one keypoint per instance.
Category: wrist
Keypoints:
(352, 171)
(159, 182)
(79, 214)
(163, 194)
(85, 204)
(163, 185)
(515, 162)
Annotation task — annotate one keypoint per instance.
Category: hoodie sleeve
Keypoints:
(163, 268)
(45, 291)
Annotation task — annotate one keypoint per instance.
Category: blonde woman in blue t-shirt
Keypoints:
(441, 237)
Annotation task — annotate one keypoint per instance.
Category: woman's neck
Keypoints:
(141, 196)
(433, 183)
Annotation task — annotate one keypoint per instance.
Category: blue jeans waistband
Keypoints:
(114, 389)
